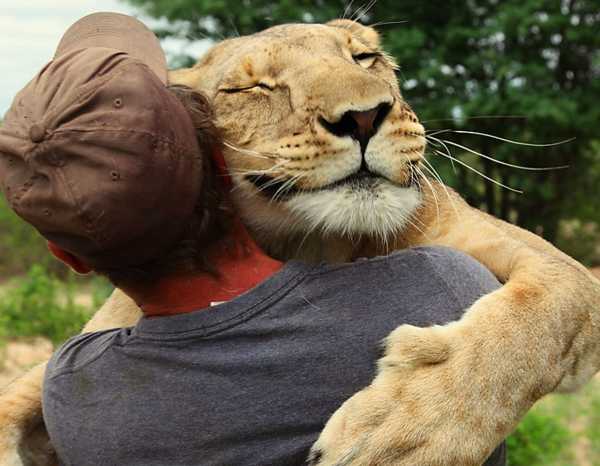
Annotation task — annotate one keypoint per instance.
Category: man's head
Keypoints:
(99, 156)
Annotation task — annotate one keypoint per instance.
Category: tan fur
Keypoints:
(443, 395)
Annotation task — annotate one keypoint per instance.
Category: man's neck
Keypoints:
(239, 265)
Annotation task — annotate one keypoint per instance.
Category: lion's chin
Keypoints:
(381, 210)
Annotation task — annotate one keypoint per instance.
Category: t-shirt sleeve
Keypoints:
(466, 278)
(80, 350)
(74, 355)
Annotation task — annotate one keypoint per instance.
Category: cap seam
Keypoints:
(54, 111)
(80, 214)
(15, 200)
(90, 88)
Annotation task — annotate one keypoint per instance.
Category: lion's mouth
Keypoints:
(281, 189)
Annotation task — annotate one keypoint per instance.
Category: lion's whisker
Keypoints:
(232, 23)
(361, 12)
(483, 175)
(479, 117)
(264, 155)
(309, 232)
(433, 193)
(500, 162)
(431, 169)
(274, 181)
(441, 142)
(260, 173)
(409, 220)
(265, 186)
(518, 143)
(347, 9)
(387, 23)
(285, 186)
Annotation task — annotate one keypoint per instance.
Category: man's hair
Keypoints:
(212, 217)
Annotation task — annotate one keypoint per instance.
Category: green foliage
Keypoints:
(593, 425)
(539, 440)
(42, 305)
(538, 60)
(580, 240)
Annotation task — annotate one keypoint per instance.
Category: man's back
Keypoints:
(251, 381)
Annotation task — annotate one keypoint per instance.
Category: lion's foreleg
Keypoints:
(549, 303)
(20, 413)
(450, 394)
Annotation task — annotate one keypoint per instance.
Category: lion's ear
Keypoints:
(184, 77)
(367, 34)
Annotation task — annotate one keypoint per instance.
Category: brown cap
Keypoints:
(96, 153)
(116, 31)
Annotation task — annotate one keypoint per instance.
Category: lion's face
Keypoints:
(319, 138)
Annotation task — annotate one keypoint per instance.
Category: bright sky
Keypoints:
(31, 30)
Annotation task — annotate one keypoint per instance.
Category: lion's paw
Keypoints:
(423, 408)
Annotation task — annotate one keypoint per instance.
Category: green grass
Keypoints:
(540, 440)
(593, 425)
(561, 430)
(40, 304)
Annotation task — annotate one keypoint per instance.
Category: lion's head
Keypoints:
(319, 139)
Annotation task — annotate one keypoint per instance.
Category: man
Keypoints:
(239, 359)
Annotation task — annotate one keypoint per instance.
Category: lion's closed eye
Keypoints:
(366, 60)
(233, 89)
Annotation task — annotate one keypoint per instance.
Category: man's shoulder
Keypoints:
(442, 259)
(435, 268)
(464, 276)
(82, 350)
(460, 274)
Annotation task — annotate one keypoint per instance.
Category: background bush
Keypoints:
(540, 440)
(21, 246)
(42, 305)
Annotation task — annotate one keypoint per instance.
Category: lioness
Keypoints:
(323, 152)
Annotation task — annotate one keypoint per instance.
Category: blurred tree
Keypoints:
(527, 70)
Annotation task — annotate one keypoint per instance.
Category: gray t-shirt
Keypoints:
(250, 382)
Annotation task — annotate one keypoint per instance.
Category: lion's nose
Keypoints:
(361, 126)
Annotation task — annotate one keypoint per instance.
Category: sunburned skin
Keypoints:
(323, 153)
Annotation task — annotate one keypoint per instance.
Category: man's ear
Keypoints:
(367, 34)
(75, 263)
